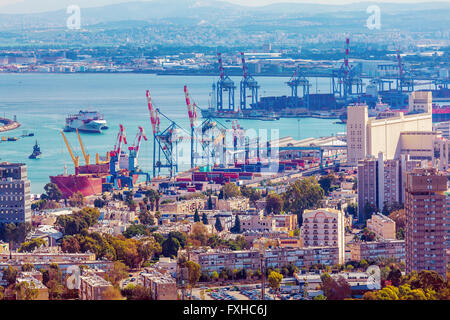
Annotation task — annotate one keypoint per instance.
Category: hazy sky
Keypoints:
(27, 6)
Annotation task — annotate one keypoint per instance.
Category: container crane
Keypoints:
(115, 154)
(404, 82)
(298, 79)
(346, 78)
(165, 141)
(247, 82)
(224, 84)
(192, 112)
(133, 158)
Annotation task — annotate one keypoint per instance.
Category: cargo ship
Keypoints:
(85, 183)
(86, 121)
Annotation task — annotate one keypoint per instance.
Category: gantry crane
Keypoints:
(165, 141)
(192, 112)
(247, 82)
(224, 84)
(298, 79)
(346, 78)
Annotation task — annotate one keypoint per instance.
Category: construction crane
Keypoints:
(224, 84)
(75, 159)
(247, 82)
(298, 79)
(192, 112)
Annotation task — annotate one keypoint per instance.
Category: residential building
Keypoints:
(33, 282)
(373, 250)
(382, 226)
(162, 285)
(257, 223)
(92, 286)
(324, 227)
(15, 198)
(426, 212)
(285, 221)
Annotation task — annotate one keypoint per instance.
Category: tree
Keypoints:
(170, 247)
(194, 272)
(369, 210)
(252, 194)
(274, 204)
(136, 230)
(204, 218)
(146, 218)
(320, 297)
(326, 182)
(302, 194)
(395, 277)
(10, 275)
(52, 192)
(352, 209)
(237, 225)
(210, 203)
(112, 293)
(275, 279)
(199, 233)
(27, 267)
(218, 225)
(70, 244)
(231, 190)
(26, 291)
(137, 292)
(77, 200)
(196, 216)
(117, 273)
(180, 236)
(33, 244)
(335, 289)
(215, 275)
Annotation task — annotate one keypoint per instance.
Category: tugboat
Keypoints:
(36, 152)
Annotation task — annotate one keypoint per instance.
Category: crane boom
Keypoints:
(154, 118)
(74, 159)
(86, 156)
(192, 110)
(137, 141)
(121, 137)
(244, 66)
(221, 70)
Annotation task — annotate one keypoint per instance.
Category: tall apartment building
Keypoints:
(383, 181)
(426, 221)
(370, 135)
(323, 228)
(15, 199)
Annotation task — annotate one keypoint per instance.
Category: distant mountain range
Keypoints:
(200, 10)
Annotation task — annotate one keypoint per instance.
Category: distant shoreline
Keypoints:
(8, 125)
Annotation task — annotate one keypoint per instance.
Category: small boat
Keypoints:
(36, 152)
(13, 138)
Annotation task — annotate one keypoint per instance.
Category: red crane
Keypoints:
(192, 110)
(137, 141)
(244, 66)
(121, 137)
(154, 117)
(221, 70)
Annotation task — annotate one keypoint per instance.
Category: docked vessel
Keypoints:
(36, 152)
(86, 121)
(87, 184)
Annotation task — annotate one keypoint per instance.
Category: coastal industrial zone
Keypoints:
(231, 211)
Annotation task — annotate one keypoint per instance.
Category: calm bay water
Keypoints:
(42, 102)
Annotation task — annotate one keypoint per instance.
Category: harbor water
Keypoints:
(41, 103)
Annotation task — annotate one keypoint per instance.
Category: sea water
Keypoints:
(41, 103)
